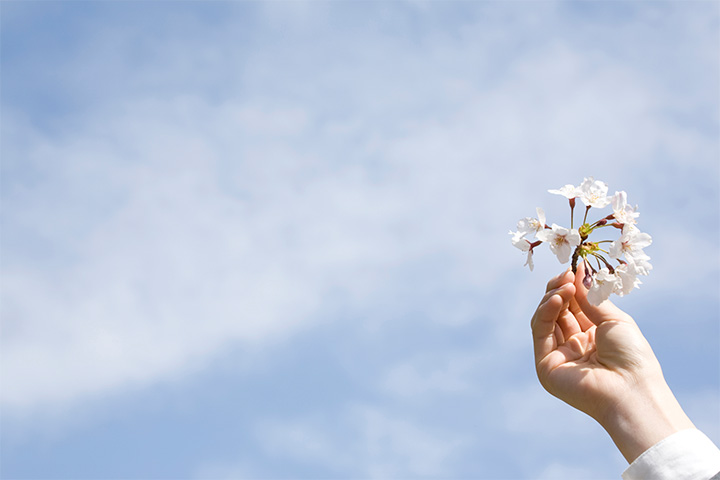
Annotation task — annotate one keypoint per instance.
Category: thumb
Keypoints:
(597, 314)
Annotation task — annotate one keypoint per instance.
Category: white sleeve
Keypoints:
(685, 455)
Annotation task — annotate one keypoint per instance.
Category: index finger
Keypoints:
(565, 277)
(545, 321)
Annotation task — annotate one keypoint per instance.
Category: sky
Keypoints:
(269, 239)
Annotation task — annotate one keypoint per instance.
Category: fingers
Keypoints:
(569, 324)
(547, 333)
(596, 314)
(565, 277)
(579, 315)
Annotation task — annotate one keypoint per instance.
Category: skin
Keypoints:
(595, 359)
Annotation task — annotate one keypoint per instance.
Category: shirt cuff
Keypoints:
(685, 455)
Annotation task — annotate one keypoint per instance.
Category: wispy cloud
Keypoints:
(245, 175)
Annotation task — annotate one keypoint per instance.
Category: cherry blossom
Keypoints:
(561, 241)
(531, 225)
(593, 193)
(568, 191)
(604, 284)
(627, 275)
(602, 278)
(641, 262)
(524, 245)
(623, 212)
(529, 262)
(630, 244)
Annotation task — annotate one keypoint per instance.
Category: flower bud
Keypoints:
(587, 279)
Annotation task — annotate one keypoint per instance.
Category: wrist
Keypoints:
(647, 414)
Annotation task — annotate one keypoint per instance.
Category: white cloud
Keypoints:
(230, 181)
(171, 228)
(374, 444)
(427, 376)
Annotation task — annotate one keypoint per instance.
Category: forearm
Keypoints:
(646, 415)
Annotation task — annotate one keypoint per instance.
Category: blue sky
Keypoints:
(269, 239)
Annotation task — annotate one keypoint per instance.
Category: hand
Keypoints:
(596, 359)
(588, 356)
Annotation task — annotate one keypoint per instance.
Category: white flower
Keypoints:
(627, 275)
(525, 245)
(564, 242)
(520, 242)
(630, 244)
(529, 261)
(593, 193)
(531, 225)
(623, 212)
(568, 191)
(641, 262)
(604, 283)
(561, 241)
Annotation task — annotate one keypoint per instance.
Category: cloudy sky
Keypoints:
(269, 239)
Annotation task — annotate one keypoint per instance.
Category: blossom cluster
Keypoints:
(574, 244)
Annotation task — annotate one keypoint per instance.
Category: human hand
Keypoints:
(596, 359)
